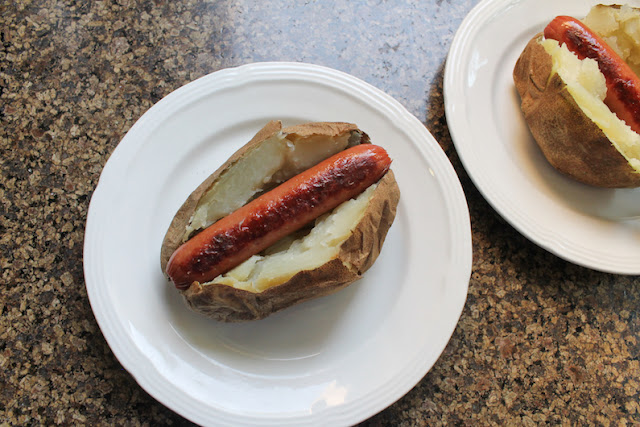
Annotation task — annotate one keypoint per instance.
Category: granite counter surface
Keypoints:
(540, 340)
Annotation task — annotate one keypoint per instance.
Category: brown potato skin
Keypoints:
(360, 250)
(570, 141)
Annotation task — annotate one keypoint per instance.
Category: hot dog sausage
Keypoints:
(277, 213)
(623, 86)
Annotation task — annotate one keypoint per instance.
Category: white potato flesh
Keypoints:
(620, 28)
(270, 163)
(587, 86)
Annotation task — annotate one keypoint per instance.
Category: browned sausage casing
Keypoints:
(277, 213)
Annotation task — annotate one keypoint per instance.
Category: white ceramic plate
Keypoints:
(596, 228)
(336, 360)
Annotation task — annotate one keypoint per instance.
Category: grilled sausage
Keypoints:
(277, 213)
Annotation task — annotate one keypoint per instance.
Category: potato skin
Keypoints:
(360, 250)
(571, 142)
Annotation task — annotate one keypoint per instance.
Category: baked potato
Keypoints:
(327, 255)
(562, 99)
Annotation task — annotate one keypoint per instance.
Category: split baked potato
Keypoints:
(562, 102)
(322, 258)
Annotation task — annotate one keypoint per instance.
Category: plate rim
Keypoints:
(448, 183)
(453, 90)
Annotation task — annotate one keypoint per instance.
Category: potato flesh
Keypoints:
(270, 163)
(320, 246)
(587, 86)
(620, 28)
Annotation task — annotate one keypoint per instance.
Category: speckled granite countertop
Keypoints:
(540, 341)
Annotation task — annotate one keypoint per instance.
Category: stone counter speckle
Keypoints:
(540, 340)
